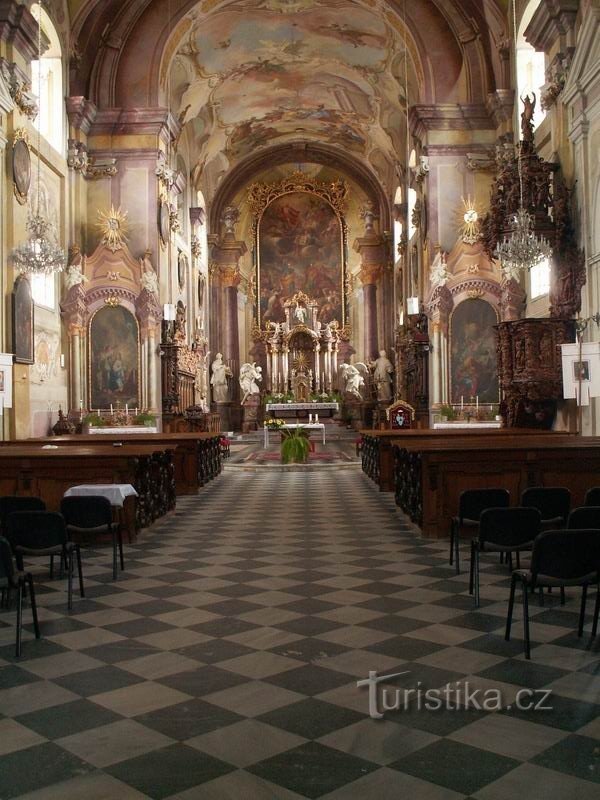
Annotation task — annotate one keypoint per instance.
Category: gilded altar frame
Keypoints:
(334, 193)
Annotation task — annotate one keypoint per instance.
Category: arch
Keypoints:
(47, 83)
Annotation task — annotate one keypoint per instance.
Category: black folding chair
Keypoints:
(502, 530)
(11, 503)
(592, 497)
(584, 517)
(470, 505)
(10, 578)
(559, 558)
(39, 533)
(92, 516)
(553, 503)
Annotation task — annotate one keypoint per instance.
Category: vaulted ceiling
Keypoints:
(241, 75)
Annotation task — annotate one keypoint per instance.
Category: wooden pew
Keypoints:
(196, 456)
(29, 470)
(430, 475)
(377, 450)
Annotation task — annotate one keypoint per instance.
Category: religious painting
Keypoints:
(581, 370)
(114, 358)
(21, 164)
(301, 248)
(473, 362)
(22, 313)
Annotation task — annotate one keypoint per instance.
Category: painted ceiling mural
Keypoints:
(251, 74)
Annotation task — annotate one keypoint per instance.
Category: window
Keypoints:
(43, 290)
(47, 84)
(397, 220)
(412, 201)
(531, 66)
(539, 278)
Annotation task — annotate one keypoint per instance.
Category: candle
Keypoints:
(126, 409)
(316, 417)
(81, 405)
(462, 402)
(477, 403)
(111, 410)
(136, 411)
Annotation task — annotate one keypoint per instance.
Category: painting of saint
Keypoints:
(114, 354)
(473, 361)
(301, 250)
(22, 307)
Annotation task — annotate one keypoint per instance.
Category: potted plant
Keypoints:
(294, 446)
(145, 419)
(95, 421)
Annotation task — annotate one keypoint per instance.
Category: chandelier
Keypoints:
(40, 254)
(521, 249)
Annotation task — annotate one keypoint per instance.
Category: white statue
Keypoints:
(353, 380)
(382, 376)
(149, 278)
(74, 276)
(250, 375)
(300, 315)
(439, 275)
(220, 373)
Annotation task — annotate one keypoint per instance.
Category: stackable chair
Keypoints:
(592, 497)
(10, 579)
(553, 503)
(39, 533)
(11, 503)
(559, 558)
(92, 516)
(470, 505)
(502, 530)
(584, 517)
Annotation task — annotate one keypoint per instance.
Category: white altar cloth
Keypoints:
(303, 407)
(466, 425)
(114, 492)
(124, 429)
(319, 426)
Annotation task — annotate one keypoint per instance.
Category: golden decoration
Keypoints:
(112, 300)
(469, 221)
(260, 195)
(113, 227)
(300, 363)
(113, 276)
(475, 293)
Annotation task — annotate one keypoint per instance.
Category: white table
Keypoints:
(303, 407)
(115, 493)
(316, 426)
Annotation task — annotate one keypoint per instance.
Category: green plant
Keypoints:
(95, 421)
(448, 412)
(294, 445)
(148, 420)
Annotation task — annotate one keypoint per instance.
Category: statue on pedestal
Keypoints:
(220, 373)
(382, 376)
(249, 375)
(353, 380)
(149, 278)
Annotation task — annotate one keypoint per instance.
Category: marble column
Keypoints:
(371, 249)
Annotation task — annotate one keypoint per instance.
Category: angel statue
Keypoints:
(353, 380)
(149, 278)
(74, 274)
(249, 375)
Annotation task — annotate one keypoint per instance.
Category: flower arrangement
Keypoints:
(95, 421)
(274, 424)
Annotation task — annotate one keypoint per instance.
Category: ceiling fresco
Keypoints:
(254, 74)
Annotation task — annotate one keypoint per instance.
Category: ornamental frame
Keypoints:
(335, 193)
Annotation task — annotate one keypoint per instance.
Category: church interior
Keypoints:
(299, 399)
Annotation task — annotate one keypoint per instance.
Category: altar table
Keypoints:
(317, 426)
(449, 426)
(302, 409)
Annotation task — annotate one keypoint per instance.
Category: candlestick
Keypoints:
(462, 402)
(136, 411)
(477, 403)
(111, 410)
(316, 417)
(126, 409)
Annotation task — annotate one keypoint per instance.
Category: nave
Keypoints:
(224, 662)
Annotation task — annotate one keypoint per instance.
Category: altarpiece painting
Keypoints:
(473, 363)
(301, 244)
(114, 358)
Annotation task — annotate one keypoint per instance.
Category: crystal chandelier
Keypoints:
(40, 254)
(521, 249)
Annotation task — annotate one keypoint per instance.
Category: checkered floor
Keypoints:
(223, 665)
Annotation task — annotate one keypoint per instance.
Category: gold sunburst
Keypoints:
(114, 227)
(469, 217)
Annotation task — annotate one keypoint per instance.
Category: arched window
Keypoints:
(412, 201)
(397, 220)
(47, 84)
(539, 279)
(531, 65)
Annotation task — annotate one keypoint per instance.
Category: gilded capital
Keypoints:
(370, 273)
(230, 275)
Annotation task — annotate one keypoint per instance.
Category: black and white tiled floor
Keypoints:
(223, 665)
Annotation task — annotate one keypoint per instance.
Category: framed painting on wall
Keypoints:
(22, 321)
(473, 360)
(114, 358)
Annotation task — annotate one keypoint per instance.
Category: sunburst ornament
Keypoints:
(300, 362)
(469, 229)
(113, 227)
